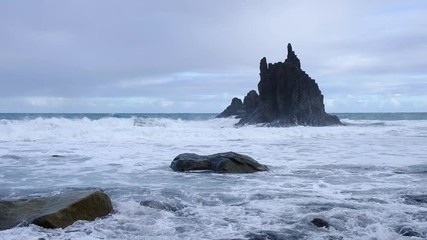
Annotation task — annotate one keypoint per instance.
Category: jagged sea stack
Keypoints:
(235, 109)
(287, 97)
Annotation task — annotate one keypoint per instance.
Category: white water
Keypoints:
(354, 176)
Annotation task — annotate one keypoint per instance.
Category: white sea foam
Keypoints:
(354, 176)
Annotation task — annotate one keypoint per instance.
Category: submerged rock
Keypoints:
(287, 97)
(162, 205)
(318, 222)
(228, 162)
(58, 211)
(415, 199)
(284, 234)
(409, 232)
(267, 235)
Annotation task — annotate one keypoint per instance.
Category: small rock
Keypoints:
(266, 235)
(284, 234)
(415, 199)
(228, 162)
(408, 232)
(162, 206)
(318, 222)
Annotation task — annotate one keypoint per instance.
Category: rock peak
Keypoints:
(292, 57)
(287, 97)
(236, 109)
(263, 65)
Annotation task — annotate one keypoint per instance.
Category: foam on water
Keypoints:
(357, 177)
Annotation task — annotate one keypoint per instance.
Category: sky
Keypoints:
(196, 55)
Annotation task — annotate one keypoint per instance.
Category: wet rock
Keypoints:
(334, 238)
(415, 199)
(266, 235)
(235, 109)
(162, 205)
(318, 222)
(227, 162)
(286, 234)
(58, 211)
(287, 97)
(408, 232)
(9, 156)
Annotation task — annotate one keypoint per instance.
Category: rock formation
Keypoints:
(236, 109)
(228, 162)
(57, 211)
(287, 97)
(251, 101)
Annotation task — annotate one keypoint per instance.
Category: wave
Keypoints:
(108, 127)
(384, 116)
(131, 128)
(353, 176)
(349, 122)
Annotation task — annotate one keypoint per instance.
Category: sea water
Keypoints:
(367, 178)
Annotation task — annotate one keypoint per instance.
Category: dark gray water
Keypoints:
(367, 179)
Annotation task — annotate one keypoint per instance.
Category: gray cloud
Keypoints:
(92, 55)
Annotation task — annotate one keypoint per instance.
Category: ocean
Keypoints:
(368, 179)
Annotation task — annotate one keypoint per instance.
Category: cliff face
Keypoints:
(287, 97)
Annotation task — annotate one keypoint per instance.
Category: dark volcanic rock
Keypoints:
(171, 207)
(285, 234)
(409, 232)
(415, 199)
(287, 97)
(251, 101)
(235, 109)
(58, 211)
(228, 162)
(267, 235)
(318, 222)
(239, 109)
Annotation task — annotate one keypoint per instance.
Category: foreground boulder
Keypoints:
(58, 211)
(228, 162)
(287, 97)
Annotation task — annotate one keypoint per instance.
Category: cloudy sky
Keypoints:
(194, 55)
